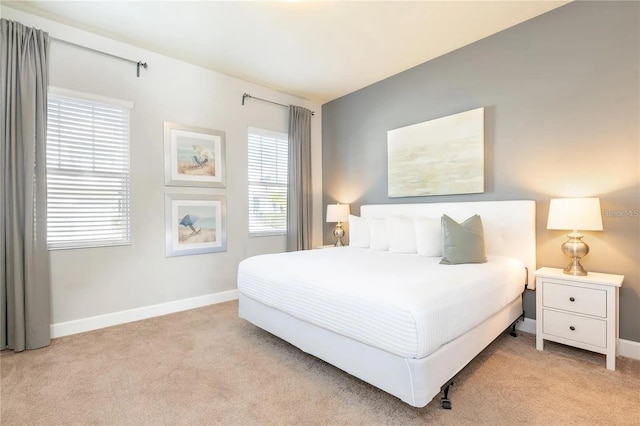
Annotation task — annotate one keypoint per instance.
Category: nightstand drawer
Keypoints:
(589, 301)
(586, 330)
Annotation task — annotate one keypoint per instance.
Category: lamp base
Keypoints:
(338, 232)
(576, 249)
(575, 268)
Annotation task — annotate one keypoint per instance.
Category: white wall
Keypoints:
(97, 281)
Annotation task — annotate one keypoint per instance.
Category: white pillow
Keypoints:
(402, 234)
(428, 236)
(359, 233)
(379, 234)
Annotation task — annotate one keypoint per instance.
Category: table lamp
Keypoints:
(338, 213)
(575, 214)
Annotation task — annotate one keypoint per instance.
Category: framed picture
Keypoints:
(195, 224)
(437, 157)
(193, 156)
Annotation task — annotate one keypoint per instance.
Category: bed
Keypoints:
(400, 321)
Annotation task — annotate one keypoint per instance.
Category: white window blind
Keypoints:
(88, 201)
(268, 177)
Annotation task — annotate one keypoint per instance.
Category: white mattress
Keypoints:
(404, 304)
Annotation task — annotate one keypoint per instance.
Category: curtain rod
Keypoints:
(137, 63)
(246, 95)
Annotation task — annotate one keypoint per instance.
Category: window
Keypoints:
(88, 202)
(268, 176)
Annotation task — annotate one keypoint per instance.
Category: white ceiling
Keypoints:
(318, 50)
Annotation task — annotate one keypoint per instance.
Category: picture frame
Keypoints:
(443, 156)
(195, 224)
(194, 156)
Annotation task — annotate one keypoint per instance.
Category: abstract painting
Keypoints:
(194, 156)
(437, 157)
(195, 224)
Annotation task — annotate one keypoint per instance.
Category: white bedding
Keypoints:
(405, 304)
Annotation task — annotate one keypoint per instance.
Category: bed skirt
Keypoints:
(414, 381)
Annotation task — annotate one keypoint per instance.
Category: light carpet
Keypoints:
(207, 366)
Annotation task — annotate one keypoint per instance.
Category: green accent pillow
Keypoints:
(462, 242)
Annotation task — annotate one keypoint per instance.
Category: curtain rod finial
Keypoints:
(138, 65)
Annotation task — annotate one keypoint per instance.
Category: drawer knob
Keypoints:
(573, 299)
(572, 328)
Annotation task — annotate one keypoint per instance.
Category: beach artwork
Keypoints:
(194, 156)
(438, 157)
(195, 224)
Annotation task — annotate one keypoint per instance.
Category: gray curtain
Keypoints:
(24, 274)
(299, 192)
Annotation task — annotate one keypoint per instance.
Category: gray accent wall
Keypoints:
(561, 94)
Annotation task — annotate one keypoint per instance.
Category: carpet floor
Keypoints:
(207, 366)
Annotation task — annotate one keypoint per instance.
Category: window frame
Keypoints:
(282, 139)
(120, 175)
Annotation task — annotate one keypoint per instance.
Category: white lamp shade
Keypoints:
(337, 212)
(577, 214)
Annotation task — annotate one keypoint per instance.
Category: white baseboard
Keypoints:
(528, 325)
(107, 320)
(626, 348)
(629, 349)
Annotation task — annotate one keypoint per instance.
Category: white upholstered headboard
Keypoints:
(509, 226)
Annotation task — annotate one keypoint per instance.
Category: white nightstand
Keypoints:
(578, 311)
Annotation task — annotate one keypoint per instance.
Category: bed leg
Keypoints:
(445, 401)
(513, 326)
(513, 330)
(526, 285)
